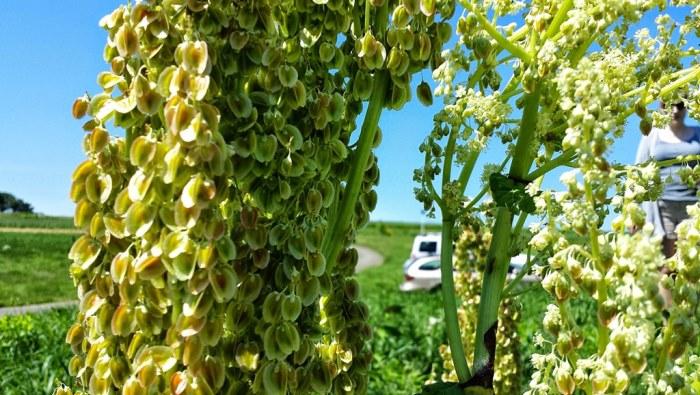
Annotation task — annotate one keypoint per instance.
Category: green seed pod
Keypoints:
(351, 289)
(401, 17)
(272, 307)
(287, 75)
(313, 237)
(256, 238)
(313, 202)
(241, 316)
(482, 47)
(291, 307)
(247, 356)
(606, 312)
(287, 338)
(274, 378)
(223, 282)
(240, 105)
(444, 32)
(296, 246)
(425, 94)
(308, 290)
(406, 39)
(565, 382)
(123, 322)
(261, 258)
(395, 60)
(192, 350)
(362, 85)
(326, 52)
(321, 379)
(316, 264)
(427, 7)
(211, 369)
(238, 40)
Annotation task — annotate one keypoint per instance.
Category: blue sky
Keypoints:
(51, 52)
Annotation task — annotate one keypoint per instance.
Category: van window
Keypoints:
(430, 265)
(428, 246)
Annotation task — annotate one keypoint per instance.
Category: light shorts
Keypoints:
(672, 213)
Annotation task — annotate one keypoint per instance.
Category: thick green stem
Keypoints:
(334, 240)
(499, 251)
(493, 283)
(449, 302)
(663, 356)
(602, 288)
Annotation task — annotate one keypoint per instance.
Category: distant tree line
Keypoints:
(10, 202)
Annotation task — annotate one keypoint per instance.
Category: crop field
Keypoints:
(27, 220)
(34, 268)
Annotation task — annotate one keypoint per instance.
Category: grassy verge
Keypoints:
(408, 327)
(33, 353)
(26, 220)
(34, 268)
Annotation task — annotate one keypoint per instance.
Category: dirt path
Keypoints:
(59, 231)
(367, 258)
(36, 308)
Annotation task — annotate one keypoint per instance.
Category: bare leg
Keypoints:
(669, 246)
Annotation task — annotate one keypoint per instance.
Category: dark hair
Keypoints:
(679, 105)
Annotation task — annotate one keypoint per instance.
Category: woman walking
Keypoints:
(677, 139)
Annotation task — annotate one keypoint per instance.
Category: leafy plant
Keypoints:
(576, 71)
(216, 250)
(33, 354)
(216, 255)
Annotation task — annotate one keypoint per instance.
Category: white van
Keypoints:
(424, 245)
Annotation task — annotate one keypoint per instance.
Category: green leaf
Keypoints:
(442, 389)
(510, 194)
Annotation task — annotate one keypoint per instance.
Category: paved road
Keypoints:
(367, 258)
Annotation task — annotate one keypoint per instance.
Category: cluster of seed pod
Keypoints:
(202, 267)
(471, 252)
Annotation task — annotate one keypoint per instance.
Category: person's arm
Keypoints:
(643, 155)
(644, 149)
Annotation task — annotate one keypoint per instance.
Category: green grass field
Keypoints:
(34, 268)
(408, 327)
(33, 353)
(26, 220)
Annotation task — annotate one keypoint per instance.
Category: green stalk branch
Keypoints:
(449, 156)
(690, 77)
(431, 188)
(518, 277)
(496, 35)
(559, 18)
(561, 160)
(335, 237)
(499, 251)
(484, 190)
(467, 169)
(454, 338)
